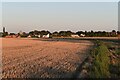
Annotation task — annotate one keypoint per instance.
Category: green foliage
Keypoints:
(80, 32)
(4, 34)
(117, 51)
(101, 62)
(1, 34)
(115, 70)
(65, 33)
(23, 35)
(41, 33)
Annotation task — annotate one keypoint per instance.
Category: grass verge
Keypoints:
(106, 60)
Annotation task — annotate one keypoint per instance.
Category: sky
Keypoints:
(60, 0)
(56, 16)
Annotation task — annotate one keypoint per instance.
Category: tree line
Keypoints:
(91, 33)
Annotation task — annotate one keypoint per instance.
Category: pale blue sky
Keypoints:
(60, 0)
(56, 16)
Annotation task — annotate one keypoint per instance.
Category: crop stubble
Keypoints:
(25, 58)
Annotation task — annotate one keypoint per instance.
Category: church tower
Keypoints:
(3, 29)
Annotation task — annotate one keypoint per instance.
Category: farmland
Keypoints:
(27, 58)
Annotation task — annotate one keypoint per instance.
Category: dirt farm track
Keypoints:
(27, 58)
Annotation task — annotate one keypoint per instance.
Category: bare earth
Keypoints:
(26, 58)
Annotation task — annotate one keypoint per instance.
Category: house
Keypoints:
(21, 33)
(82, 35)
(37, 36)
(29, 36)
(75, 36)
(113, 33)
(46, 36)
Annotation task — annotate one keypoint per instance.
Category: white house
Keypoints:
(75, 36)
(82, 35)
(29, 36)
(46, 36)
(37, 36)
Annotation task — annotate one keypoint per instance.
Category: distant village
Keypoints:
(48, 34)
